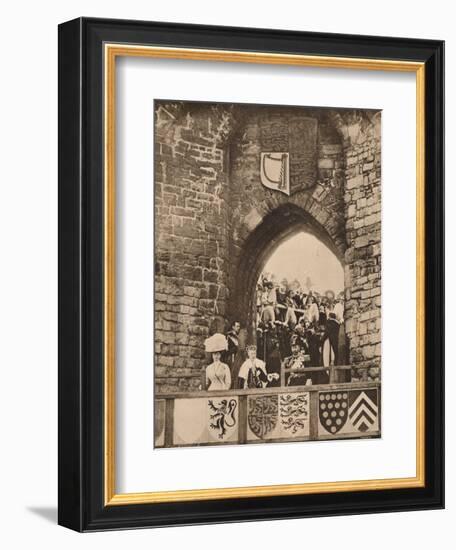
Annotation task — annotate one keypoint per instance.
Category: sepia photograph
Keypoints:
(267, 273)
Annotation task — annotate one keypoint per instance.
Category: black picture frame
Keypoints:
(81, 322)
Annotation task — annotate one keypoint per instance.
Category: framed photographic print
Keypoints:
(250, 274)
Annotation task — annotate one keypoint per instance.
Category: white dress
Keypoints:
(218, 376)
(339, 311)
(328, 355)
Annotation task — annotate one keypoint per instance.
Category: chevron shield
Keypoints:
(363, 410)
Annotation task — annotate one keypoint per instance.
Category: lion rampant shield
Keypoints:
(222, 417)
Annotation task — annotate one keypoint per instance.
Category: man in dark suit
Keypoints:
(232, 337)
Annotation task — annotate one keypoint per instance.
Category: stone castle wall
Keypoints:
(363, 235)
(191, 209)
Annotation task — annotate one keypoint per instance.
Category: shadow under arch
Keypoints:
(276, 227)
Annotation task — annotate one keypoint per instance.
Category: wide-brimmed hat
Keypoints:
(329, 293)
(216, 342)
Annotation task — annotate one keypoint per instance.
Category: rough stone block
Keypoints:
(355, 182)
(326, 163)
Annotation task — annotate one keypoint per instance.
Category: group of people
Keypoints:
(219, 375)
(278, 303)
(289, 340)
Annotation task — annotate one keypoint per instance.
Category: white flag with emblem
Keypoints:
(274, 171)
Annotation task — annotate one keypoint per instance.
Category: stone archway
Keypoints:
(276, 227)
(216, 224)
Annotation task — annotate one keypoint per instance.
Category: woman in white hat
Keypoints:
(218, 375)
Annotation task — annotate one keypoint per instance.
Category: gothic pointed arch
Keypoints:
(276, 227)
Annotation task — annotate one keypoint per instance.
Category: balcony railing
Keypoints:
(337, 410)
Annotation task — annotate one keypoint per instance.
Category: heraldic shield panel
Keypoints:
(271, 417)
(267, 273)
(348, 412)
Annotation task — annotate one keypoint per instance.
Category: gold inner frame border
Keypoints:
(111, 53)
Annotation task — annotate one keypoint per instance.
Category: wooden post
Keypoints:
(313, 415)
(203, 378)
(242, 419)
(169, 422)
